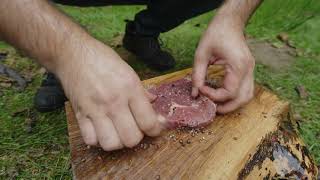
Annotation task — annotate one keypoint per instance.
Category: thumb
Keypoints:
(151, 97)
(199, 71)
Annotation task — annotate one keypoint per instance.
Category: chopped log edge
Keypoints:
(258, 141)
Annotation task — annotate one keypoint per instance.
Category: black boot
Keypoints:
(50, 96)
(147, 49)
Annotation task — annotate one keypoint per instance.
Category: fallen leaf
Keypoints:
(3, 55)
(291, 44)
(5, 84)
(277, 45)
(197, 25)
(116, 41)
(21, 112)
(302, 92)
(42, 70)
(6, 79)
(29, 124)
(297, 117)
(11, 73)
(284, 37)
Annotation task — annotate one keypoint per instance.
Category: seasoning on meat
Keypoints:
(174, 101)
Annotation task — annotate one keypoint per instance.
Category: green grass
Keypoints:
(44, 152)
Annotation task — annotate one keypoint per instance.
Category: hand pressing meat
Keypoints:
(224, 43)
(174, 101)
(107, 96)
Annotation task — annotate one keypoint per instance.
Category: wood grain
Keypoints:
(222, 150)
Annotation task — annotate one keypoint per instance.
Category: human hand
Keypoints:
(107, 97)
(224, 43)
(109, 101)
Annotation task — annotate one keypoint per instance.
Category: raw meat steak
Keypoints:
(174, 101)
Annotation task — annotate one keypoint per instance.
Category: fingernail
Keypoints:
(151, 97)
(162, 121)
(194, 92)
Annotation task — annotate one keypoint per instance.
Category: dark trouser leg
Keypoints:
(164, 15)
(85, 3)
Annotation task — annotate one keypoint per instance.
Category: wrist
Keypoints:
(72, 53)
(230, 18)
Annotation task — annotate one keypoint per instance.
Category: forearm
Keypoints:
(40, 30)
(238, 10)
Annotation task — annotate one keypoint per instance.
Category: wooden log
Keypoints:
(257, 141)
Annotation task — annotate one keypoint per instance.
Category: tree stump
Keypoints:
(258, 141)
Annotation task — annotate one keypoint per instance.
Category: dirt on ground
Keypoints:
(276, 58)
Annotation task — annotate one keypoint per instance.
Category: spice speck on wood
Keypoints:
(158, 177)
(145, 146)
(181, 142)
(193, 134)
(202, 139)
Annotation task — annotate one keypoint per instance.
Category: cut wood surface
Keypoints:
(254, 142)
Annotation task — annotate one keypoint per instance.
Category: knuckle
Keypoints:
(130, 80)
(246, 99)
(112, 107)
(233, 94)
(151, 129)
(102, 97)
(111, 99)
(250, 96)
(248, 61)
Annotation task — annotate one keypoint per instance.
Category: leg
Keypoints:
(50, 96)
(141, 36)
(86, 3)
(164, 15)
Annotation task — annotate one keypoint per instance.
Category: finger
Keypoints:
(88, 132)
(245, 95)
(150, 96)
(228, 106)
(230, 89)
(106, 133)
(148, 121)
(234, 104)
(232, 81)
(213, 60)
(217, 95)
(126, 127)
(199, 71)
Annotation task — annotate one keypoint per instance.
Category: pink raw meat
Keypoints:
(174, 102)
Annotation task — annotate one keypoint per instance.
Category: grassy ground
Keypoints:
(44, 153)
